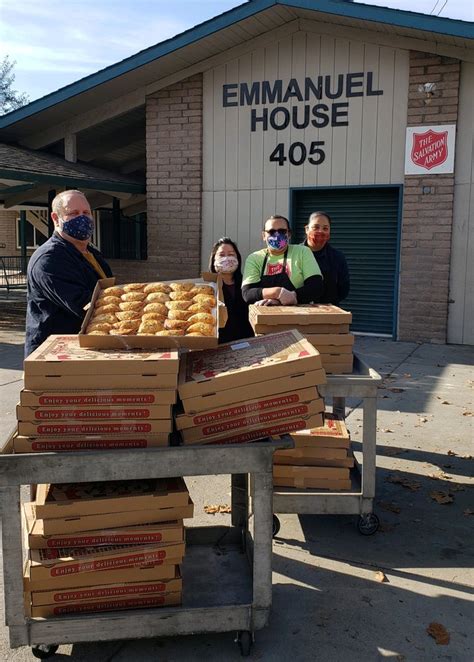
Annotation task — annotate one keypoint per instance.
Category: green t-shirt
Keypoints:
(300, 265)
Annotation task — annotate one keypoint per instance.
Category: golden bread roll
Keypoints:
(108, 318)
(111, 292)
(126, 315)
(181, 296)
(129, 326)
(203, 289)
(176, 324)
(122, 332)
(109, 308)
(194, 333)
(133, 287)
(99, 327)
(200, 308)
(178, 305)
(131, 305)
(205, 318)
(174, 332)
(96, 332)
(156, 308)
(108, 300)
(205, 299)
(157, 297)
(146, 317)
(181, 287)
(150, 326)
(179, 314)
(203, 329)
(133, 296)
(157, 287)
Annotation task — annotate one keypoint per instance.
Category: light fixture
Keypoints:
(428, 89)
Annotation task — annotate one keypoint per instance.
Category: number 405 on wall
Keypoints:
(298, 153)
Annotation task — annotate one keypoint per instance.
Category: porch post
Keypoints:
(23, 240)
(51, 196)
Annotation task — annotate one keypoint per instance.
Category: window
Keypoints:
(34, 237)
(125, 240)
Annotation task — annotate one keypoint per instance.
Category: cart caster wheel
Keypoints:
(276, 526)
(245, 641)
(368, 524)
(43, 651)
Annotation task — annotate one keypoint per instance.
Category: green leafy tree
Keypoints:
(10, 99)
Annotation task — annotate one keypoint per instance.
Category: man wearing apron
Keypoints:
(332, 262)
(281, 274)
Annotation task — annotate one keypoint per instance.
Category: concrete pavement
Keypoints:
(328, 602)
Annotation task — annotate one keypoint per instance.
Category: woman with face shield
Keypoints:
(226, 260)
(282, 273)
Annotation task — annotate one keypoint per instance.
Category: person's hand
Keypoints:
(267, 302)
(287, 298)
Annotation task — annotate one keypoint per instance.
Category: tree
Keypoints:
(10, 99)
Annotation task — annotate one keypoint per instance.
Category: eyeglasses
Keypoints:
(274, 231)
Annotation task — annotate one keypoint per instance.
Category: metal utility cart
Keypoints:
(361, 383)
(227, 574)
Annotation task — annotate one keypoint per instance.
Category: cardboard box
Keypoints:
(153, 342)
(102, 398)
(29, 429)
(92, 413)
(216, 399)
(245, 408)
(330, 339)
(332, 434)
(347, 462)
(154, 572)
(62, 444)
(258, 419)
(299, 316)
(322, 473)
(165, 532)
(45, 563)
(161, 600)
(63, 525)
(95, 381)
(261, 432)
(266, 329)
(62, 355)
(246, 362)
(117, 496)
(87, 593)
(308, 452)
(339, 370)
(334, 350)
(313, 483)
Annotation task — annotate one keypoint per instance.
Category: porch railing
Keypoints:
(13, 272)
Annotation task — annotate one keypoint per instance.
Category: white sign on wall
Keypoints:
(430, 149)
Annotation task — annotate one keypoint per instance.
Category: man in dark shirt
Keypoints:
(332, 262)
(63, 272)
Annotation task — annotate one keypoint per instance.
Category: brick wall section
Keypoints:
(174, 179)
(8, 232)
(427, 217)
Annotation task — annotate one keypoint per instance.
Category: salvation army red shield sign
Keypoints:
(429, 149)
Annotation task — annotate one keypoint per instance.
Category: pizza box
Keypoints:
(333, 350)
(95, 606)
(339, 370)
(260, 432)
(246, 362)
(87, 593)
(64, 444)
(330, 339)
(348, 462)
(62, 355)
(93, 413)
(332, 434)
(96, 381)
(153, 342)
(102, 398)
(323, 473)
(245, 408)
(63, 525)
(266, 329)
(77, 499)
(291, 383)
(152, 572)
(27, 428)
(308, 452)
(129, 535)
(258, 419)
(302, 315)
(313, 483)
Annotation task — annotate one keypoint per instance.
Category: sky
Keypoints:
(56, 42)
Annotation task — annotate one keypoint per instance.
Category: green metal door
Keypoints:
(365, 228)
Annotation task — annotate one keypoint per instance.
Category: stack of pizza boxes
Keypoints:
(321, 459)
(107, 546)
(95, 399)
(324, 325)
(247, 390)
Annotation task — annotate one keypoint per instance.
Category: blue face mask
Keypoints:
(79, 227)
(278, 242)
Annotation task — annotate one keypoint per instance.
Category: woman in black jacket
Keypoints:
(225, 259)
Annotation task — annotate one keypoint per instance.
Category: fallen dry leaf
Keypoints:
(442, 497)
(386, 430)
(423, 419)
(395, 389)
(465, 457)
(395, 451)
(389, 507)
(412, 485)
(439, 633)
(380, 576)
(451, 453)
(467, 413)
(468, 511)
(217, 508)
(406, 374)
(445, 402)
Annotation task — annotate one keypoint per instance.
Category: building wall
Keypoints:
(461, 287)
(241, 186)
(8, 232)
(428, 210)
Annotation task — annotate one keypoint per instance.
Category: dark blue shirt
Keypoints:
(336, 281)
(60, 283)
